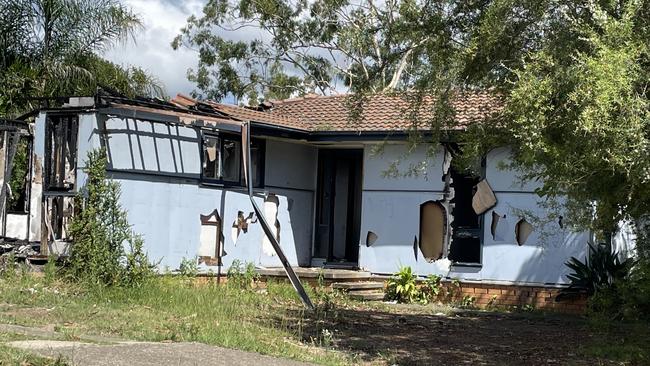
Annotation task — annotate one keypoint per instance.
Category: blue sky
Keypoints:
(151, 50)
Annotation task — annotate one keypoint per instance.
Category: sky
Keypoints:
(151, 50)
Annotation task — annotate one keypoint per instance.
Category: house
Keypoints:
(338, 193)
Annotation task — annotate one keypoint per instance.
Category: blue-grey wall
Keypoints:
(391, 209)
(158, 167)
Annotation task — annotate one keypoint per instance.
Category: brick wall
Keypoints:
(540, 298)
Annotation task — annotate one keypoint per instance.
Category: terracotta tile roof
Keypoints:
(380, 112)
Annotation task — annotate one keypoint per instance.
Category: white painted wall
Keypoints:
(391, 209)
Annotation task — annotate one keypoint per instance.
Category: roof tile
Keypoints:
(380, 112)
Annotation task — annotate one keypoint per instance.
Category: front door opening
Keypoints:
(338, 207)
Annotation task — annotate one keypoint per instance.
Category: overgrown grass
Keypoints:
(12, 356)
(626, 342)
(267, 320)
(168, 309)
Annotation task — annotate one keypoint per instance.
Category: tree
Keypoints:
(322, 46)
(572, 76)
(49, 48)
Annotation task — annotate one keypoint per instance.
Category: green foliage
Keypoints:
(130, 81)
(625, 299)
(402, 286)
(188, 267)
(49, 48)
(18, 182)
(572, 76)
(492, 303)
(576, 110)
(467, 302)
(320, 46)
(100, 232)
(453, 291)
(600, 270)
(8, 266)
(618, 289)
(242, 275)
(431, 289)
(50, 270)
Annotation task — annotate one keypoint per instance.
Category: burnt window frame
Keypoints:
(28, 178)
(72, 132)
(258, 143)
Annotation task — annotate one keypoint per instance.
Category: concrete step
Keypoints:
(367, 295)
(314, 273)
(356, 286)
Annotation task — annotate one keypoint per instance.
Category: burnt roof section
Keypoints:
(331, 115)
(379, 112)
(240, 113)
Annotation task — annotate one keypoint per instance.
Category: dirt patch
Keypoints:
(466, 338)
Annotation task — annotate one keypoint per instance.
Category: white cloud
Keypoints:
(162, 20)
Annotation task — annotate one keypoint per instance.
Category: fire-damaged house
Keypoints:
(335, 192)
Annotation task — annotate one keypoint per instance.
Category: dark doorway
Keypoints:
(466, 227)
(338, 206)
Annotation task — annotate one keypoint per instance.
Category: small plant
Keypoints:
(50, 270)
(8, 266)
(430, 290)
(242, 275)
(432, 285)
(188, 267)
(327, 338)
(322, 294)
(492, 302)
(452, 290)
(468, 302)
(402, 286)
(528, 308)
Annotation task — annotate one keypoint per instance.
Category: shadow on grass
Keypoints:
(474, 338)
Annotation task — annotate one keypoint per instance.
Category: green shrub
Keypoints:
(8, 266)
(100, 232)
(617, 289)
(242, 275)
(468, 302)
(600, 270)
(188, 267)
(626, 299)
(402, 286)
(50, 270)
(431, 289)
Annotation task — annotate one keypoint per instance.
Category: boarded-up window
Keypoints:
(433, 228)
(61, 152)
